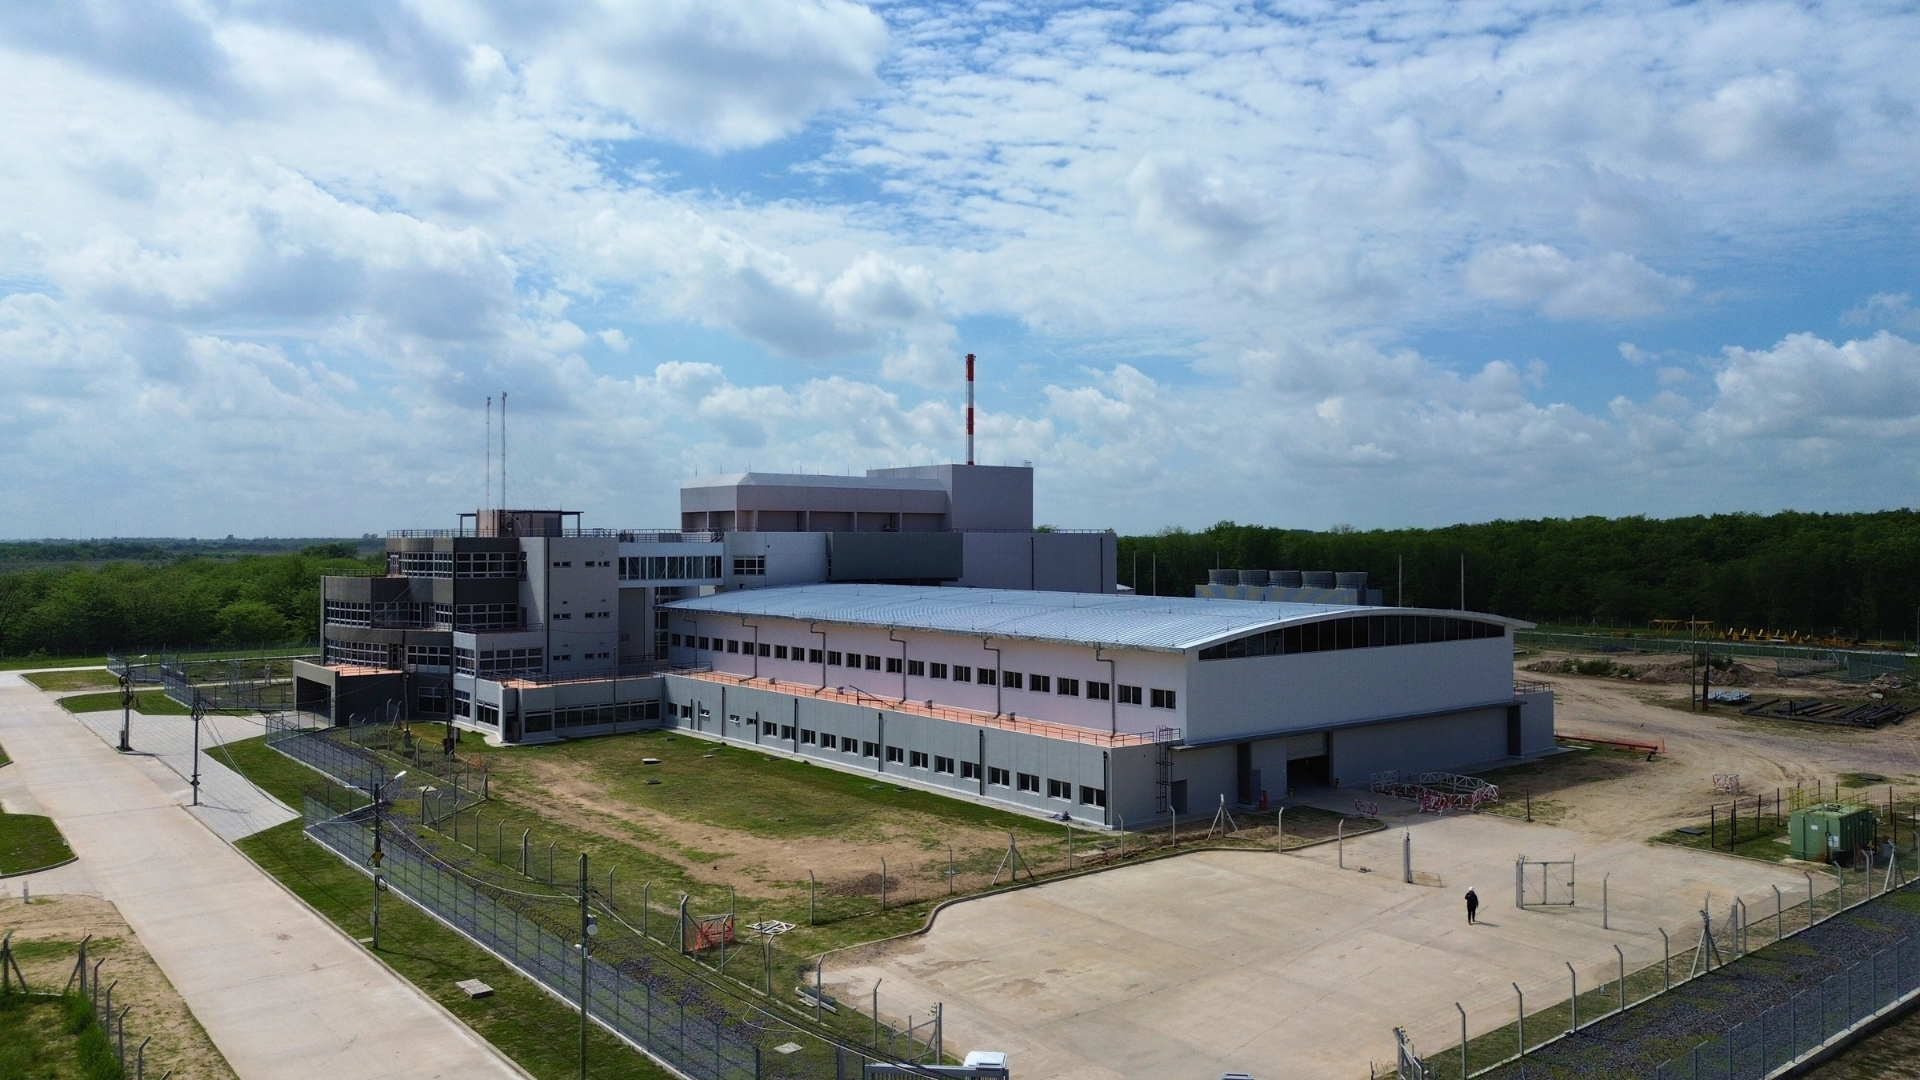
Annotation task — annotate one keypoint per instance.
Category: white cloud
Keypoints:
(1611, 287)
(1890, 309)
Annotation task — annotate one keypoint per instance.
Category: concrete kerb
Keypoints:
(42, 869)
(1197, 847)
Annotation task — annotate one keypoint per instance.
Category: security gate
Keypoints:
(1542, 882)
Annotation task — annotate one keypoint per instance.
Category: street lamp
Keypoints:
(199, 710)
(126, 711)
(589, 929)
(378, 854)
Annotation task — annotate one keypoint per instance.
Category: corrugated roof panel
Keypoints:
(1169, 623)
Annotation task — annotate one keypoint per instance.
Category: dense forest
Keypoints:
(1857, 575)
(78, 610)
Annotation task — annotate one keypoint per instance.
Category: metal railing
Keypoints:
(1006, 721)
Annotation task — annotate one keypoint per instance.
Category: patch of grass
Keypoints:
(81, 679)
(34, 1041)
(1541, 779)
(32, 663)
(524, 1021)
(30, 842)
(148, 702)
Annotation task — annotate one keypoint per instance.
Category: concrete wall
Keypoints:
(1536, 722)
(1442, 743)
(572, 587)
(990, 497)
(1303, 691)
(1133, 667)
(762, 718)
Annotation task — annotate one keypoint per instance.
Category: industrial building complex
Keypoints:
(913, 623)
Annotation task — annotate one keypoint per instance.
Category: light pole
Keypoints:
(199, 710)
(126, 712)
(378, 854)
(589, 928)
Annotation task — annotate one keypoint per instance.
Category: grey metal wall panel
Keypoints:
(899, 556)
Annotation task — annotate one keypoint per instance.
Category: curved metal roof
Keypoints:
(1164, 623)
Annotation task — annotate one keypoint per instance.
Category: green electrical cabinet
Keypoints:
(1811, 832)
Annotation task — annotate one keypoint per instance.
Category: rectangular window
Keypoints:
(779, 652)
(765, 650)
(1070, 687)
(893, 665)
(1092, 796)
(829, 741)
(786, 732)
(676, 640)
(1040, 683)
(998, 777)
(1099, 691)
(706, 643)
(895, 753)
(1059, 789)
(937, 671)
(969, 770)
(943, 765)
(917, 668)
(1030, 782)
(850, 746)
(869, 749)
(733, 646)
(1010, 679)
(873, 663)
(750, 566)
(813, 655)
(807, 737)
(833, 658)
(917, 759)
(963, 673)
(986, 676)
(1162, 699)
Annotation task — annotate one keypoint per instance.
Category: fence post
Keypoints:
(1463, 1041)
(1779, 914)
(811, 884)
(1603, 901)
(1666, 960)
(1521, 1029)
(1623, 977)
(1573, 1003)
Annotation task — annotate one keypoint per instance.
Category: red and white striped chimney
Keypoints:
(969, 408)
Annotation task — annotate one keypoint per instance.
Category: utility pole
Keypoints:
(126, 712)
(588, 928)
(378, 854)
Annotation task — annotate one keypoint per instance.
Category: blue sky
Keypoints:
(262, 263)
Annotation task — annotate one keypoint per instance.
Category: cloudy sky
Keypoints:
(263, 261)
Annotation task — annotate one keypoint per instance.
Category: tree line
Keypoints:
(1851, 575)
(84, 610)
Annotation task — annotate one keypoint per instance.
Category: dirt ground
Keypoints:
(1678, 788)
(46, 934)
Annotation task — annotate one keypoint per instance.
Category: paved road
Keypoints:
(229, 805)
(280, 990)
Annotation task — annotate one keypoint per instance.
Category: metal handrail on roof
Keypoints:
(1004, 721)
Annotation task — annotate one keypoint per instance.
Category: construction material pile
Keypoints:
(1436, 792)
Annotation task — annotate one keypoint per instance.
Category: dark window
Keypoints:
(986, 676)
(917, 759)
(943, 764)
(1092, 796)
(998, 777)
(829, 741)
(1010, 679)
(765, 650)
(1059, 789)
(833, 658)
(873, 663)
(1029, 782)
(1162, 699)
(813, 655)
(938, 671)
(676, 640)
(779, 652)
(706, 644)
(917, 668)
(963, 673)
(1070, 687)
(893, 665)
(869, 749)
(969, 770)
(806, 736)
(1040, 683)
(1099, 691)
(1129, 695)
(786, 731)
(733, 646)
(895, 753)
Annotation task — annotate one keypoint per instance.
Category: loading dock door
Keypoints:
(1309, 772)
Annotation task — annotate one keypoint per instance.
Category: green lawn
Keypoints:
(149, 702)
(53, 1037)
(81, 679)
(29, 663)
(30, 842)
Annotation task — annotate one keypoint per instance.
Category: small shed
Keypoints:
(1818, 832)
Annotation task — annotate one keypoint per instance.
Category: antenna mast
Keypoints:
(969, 408)
(503, 451)
(486, 491)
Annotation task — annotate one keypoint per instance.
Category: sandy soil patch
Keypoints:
(46, 934)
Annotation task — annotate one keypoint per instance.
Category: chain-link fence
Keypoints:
(256, 680)
(1759, 1047)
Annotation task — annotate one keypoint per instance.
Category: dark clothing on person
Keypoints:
(1473, 907)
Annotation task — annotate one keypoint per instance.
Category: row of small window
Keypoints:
(369, 653)
(489, 617)
(483, 713)
(672, 567)
(582, 716)
(500, 661)
(1357, 632)
(401, 614)
(567, 564)
(419, 564)
(567, 616)
(918, 759)
(490, 564)
(1012, 680)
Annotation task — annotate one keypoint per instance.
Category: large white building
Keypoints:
(912, 624)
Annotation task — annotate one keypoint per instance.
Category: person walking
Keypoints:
(1473, 906)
